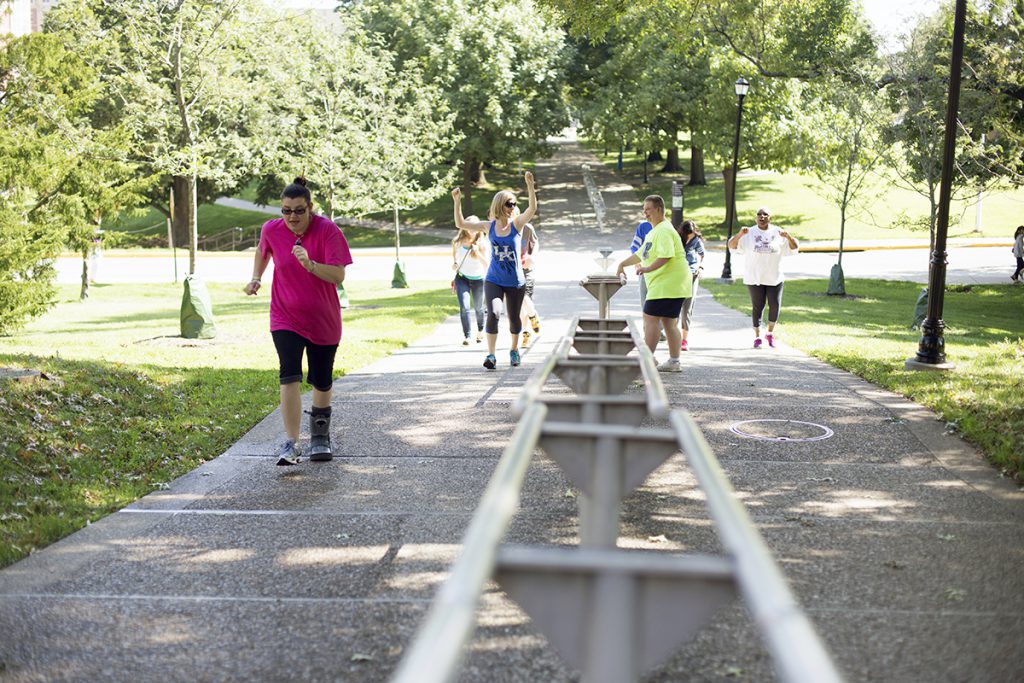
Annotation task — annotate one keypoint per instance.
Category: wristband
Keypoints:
(255, 279)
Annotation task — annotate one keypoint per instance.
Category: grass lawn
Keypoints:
(867, 333)
(798, 204)
(128, 405)
(150, 229)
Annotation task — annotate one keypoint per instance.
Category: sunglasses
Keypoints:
(297, 212)
(766, 215)
(510, 204)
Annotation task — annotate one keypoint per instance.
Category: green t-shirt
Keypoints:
(673, 280)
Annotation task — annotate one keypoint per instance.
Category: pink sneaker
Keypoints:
(684, 346)
(757, 343)
(771, 340)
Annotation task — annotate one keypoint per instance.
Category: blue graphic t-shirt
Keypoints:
(506, 268)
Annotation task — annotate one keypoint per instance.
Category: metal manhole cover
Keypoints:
(781, 430)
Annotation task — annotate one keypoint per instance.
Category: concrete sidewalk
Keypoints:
(903, 544)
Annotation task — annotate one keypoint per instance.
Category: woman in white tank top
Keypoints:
(469, 261)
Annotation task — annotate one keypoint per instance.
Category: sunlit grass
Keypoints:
(868, 333)
(798, 203)
(127, 405)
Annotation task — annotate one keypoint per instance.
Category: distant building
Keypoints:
(20, 17)
(39, 10)
(15, 17)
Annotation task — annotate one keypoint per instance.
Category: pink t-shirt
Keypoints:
(300, 301)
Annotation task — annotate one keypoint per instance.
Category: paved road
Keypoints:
(966, 265)
(902, 543)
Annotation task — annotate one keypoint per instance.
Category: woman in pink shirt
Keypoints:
(310, 254)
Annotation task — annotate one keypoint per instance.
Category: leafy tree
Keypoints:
(365, 135)
(844, 123)
(57, 168)
(675, 61)
(801, 39)
(174, 73)
(989, 119)
(499, 63)
(647, 89)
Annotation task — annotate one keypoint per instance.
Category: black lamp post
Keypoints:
(931, 352)
(742, 85)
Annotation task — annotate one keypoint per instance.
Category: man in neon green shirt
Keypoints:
(661, 259)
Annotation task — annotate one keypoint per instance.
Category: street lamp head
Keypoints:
(742, 86)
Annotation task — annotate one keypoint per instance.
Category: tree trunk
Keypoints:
(185, 186)
(185, 221)
(470, 168)
(654, 155)
(180, 211)
(697, 176)
(672, 164)
(84, 293)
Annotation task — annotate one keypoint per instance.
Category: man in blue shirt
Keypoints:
(638, 239)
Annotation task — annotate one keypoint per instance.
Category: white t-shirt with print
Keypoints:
(762, 252)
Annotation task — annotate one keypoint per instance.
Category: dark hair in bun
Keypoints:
(297, 189)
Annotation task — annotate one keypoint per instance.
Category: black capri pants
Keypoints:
(759, 294)
(513, 306)
(319, 359)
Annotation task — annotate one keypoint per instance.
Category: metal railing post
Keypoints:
(611, 613)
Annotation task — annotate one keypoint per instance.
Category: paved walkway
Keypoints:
(904, 546)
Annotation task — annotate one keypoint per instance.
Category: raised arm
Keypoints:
(734, 243)
(526, 216)
(793, 244)
(462, 223)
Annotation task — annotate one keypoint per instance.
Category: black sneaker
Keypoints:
(490, 362)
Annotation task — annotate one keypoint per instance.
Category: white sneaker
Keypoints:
(671, 365)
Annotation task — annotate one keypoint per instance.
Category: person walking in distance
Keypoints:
(310, 255)
(763, 246)
(529, 315)
(661, 259)
(1018, 252)
(505, 283)
(469, 260)
(693, 245)
(639, 235)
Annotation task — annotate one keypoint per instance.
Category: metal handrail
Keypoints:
(437, 649)
(535, 384)
(594, 194)
(795, 647)
(657, 403)
(438, 645)
(657, 398)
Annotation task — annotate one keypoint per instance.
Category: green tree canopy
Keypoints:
(500, 64)
(177, 77)
(367, 136)
(59, 168)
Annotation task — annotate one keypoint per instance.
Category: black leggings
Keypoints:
(513, 297)
(759, 294)
(319, 359)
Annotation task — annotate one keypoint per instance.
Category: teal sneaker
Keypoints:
(514, 357)
(490, 362)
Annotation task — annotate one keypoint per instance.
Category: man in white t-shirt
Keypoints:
(763, 246)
